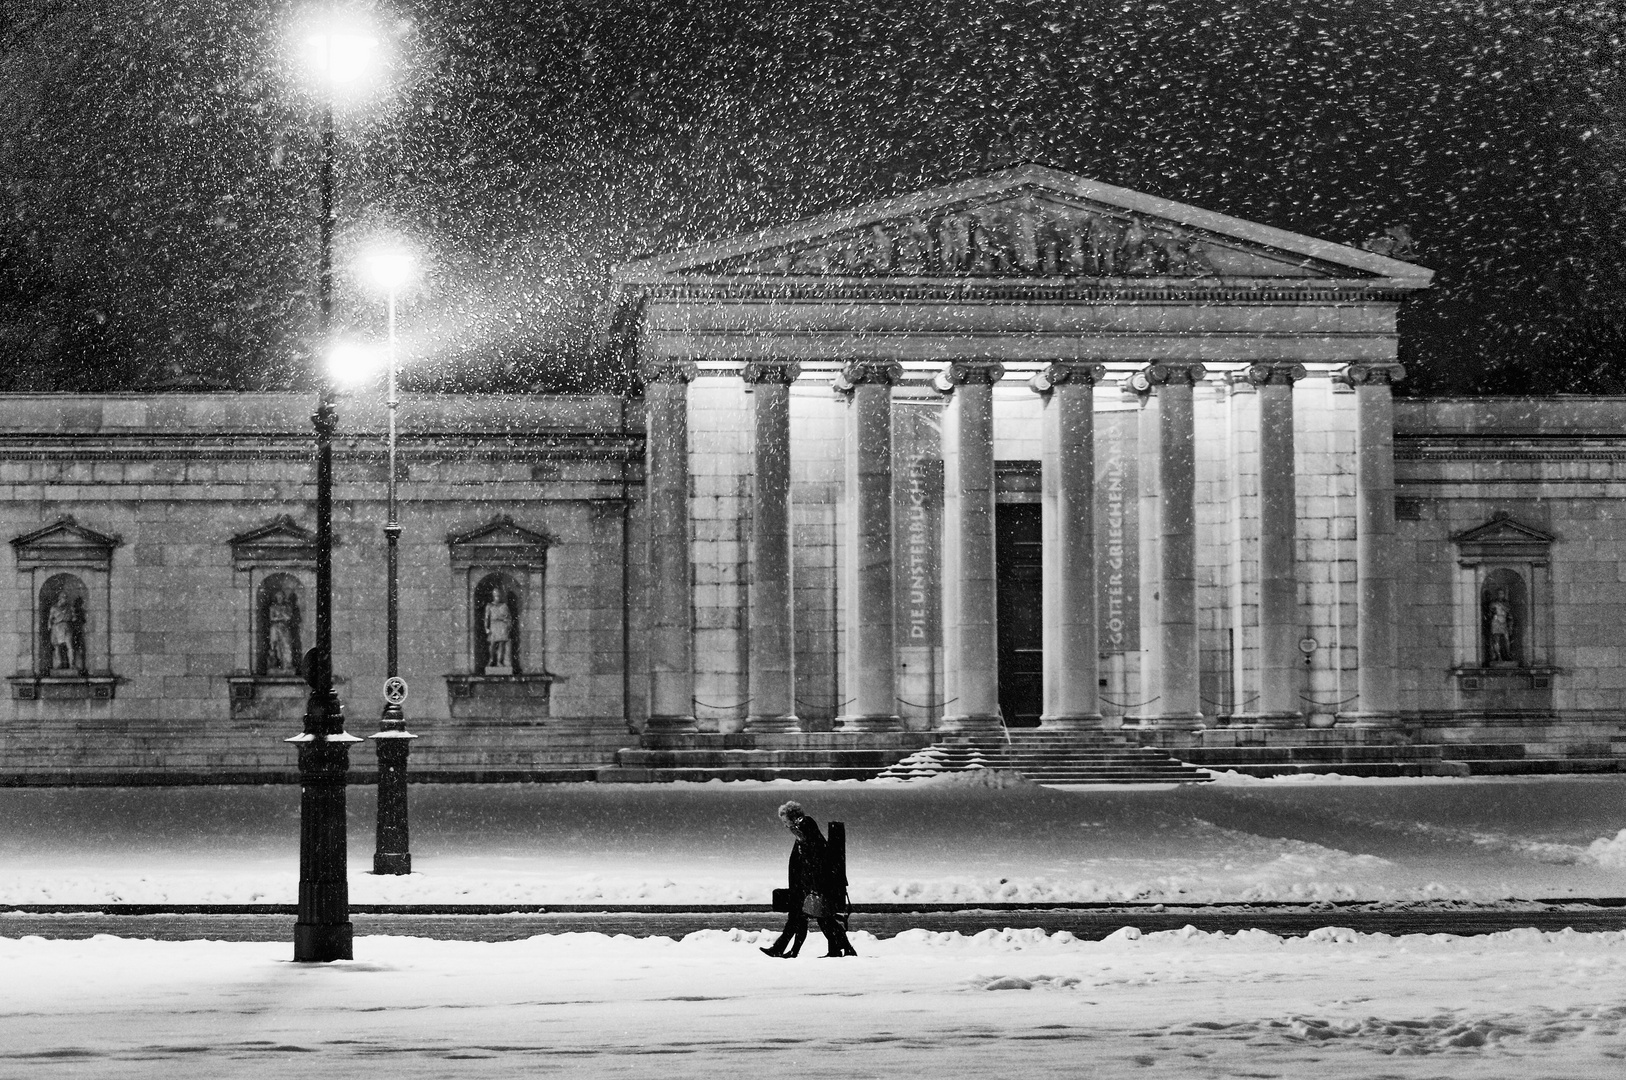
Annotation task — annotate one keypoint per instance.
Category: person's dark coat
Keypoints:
(810, 870)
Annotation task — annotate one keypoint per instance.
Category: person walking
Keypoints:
(814, 890)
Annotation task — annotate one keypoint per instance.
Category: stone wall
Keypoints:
(1558, 467)
(171, 480)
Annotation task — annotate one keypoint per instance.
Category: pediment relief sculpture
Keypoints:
(1029, 235)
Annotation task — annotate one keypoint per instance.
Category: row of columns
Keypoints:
(1169, 618)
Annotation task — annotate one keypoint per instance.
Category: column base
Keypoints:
(1269, 720)
(787, 724)
(670, 725)
(318, 943)
(973, 722)
(392, 862)
(869, 722)
(1071, 722)
(1169, 722)
(1386, 720)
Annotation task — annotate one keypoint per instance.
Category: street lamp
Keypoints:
(338, 55)
(390, 268)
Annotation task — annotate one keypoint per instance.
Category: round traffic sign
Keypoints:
(395, 690)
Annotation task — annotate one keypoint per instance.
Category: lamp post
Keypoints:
(323, 931)
(391, 269)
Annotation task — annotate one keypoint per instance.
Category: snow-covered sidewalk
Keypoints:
(721, 843)
(1014, 1004)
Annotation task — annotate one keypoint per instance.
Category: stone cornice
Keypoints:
(261, 447)
(1028, 290)
(1506, 448)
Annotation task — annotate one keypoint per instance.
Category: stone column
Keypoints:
(671, 605)
(1071, 671)
(871, 689)
(1169, 659)
(1280, 663)
(1378, 676)
(970, 605)
(772, 680)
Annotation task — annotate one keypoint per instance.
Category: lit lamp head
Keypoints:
(352, 363)
(387, 267)
(342, 54)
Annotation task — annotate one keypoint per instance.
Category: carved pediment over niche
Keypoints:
(1028, 222)
(65, 542)
(1503, 538)
(279, 542)
(500, 542)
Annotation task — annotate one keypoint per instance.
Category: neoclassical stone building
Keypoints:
(1024, 451)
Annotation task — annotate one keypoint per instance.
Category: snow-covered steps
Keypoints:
(700, 756)
(1375, 760)
(1045, 757)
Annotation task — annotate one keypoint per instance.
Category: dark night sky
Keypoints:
(157, 161)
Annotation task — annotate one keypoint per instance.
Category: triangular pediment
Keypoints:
(1503, 537)
(500, 541)
(279, 541)
(64, 542)
(1029, 222)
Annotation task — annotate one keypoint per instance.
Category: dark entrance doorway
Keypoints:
(1018, 552)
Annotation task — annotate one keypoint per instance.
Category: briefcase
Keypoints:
(782, 900)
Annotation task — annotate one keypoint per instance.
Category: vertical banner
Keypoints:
(1117, 531)
(917, 556)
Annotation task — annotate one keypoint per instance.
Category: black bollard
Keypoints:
(393, 853)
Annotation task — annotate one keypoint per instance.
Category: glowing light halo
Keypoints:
(388, 265)
(352, 363)
(342, 54)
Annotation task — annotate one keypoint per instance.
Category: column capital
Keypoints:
(962, 372)
(781, 372)
(1364, 374)
(1059, 372)
(1277, 374)
(668, 369)
(1161, 374)
(856, 372)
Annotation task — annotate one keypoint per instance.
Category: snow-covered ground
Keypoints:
(1479, 839)
(1178, 1004)
(1012, 1004)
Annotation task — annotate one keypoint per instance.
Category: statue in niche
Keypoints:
(499, 628)
(1499, 629)
(66, 620)
(281, 620)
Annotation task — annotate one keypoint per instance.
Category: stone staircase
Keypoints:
(1358, 760)
(1537, 759)
(1052, 757)
(705, 756)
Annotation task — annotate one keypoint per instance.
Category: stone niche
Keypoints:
(501, 571)
(1504, 619)
(276, 621)
(66, 655)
